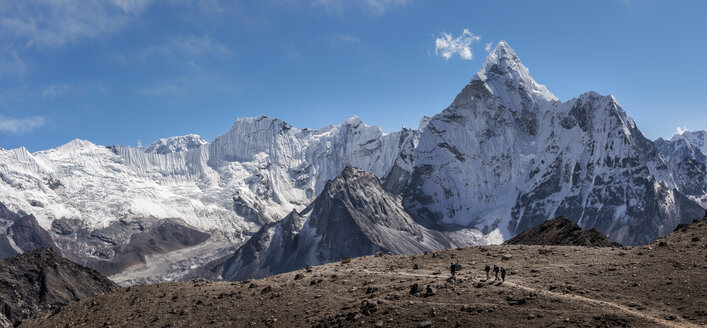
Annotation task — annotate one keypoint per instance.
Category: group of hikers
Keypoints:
(496, 270)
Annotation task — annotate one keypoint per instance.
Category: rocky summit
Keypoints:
(561, 231)
(656, 285)
(40, 282)
(353, 216)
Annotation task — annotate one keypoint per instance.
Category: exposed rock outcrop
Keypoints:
(353, 216)
(41, 281)
(561, 231)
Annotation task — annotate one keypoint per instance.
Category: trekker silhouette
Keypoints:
(453, 269)
(503, 274)
(488, 272)
(495, 272)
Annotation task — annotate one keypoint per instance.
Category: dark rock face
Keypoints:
(109, 250)
(41, 281)
(165, 237)
(28, 235)
(22, 235)
(561, 231)
(353, 216)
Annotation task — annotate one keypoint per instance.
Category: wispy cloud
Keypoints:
(19, 125)
(196, 81)
(627, 3)
(347, 40)
(374, 7)
(170, 89)
(47, 23)
(186, 46)
(66, 89)
(682, 129)
(12, 64)
(448, 46)
(381, 6)
(488, 47)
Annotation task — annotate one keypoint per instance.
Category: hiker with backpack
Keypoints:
(453, 269)
(503, 274)
(488, 272)
(495, 272)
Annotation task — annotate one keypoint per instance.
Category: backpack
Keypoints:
(487, 268)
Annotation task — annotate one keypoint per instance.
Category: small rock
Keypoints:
(346, 260)
(299, 276)
(416, 267)
(507, 257)
(415, 288)
(425, 324)
(430, 291)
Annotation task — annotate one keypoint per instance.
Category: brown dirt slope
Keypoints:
(656, 285)
(561, 231)
(42, 281)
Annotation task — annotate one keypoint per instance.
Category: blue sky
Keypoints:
(129, 71)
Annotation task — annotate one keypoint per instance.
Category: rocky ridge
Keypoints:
(352, 217)
(561, 231)
(41, 281)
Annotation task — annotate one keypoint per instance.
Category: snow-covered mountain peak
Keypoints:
(697, 139)
(176, 144)
(76, 145)
(504, 73)
(354, 120)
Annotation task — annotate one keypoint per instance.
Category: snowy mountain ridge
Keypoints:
(504, 156)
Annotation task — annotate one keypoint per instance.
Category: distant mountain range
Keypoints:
(505, 156)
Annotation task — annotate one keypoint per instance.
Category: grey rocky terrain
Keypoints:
(41, 282)
(661, 284)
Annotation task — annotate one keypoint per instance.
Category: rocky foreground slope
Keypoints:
(661, 284)
(41, 281)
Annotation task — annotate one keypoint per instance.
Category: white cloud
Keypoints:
(49, 23)
(12, 64)
(65, 89)
(347, 40)
(18, 125)
(488, 47)
(376, 7)
(189, 46)
(681, 130)
(627, 3)
(381, 6)
(447, 46)
(197, 81)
